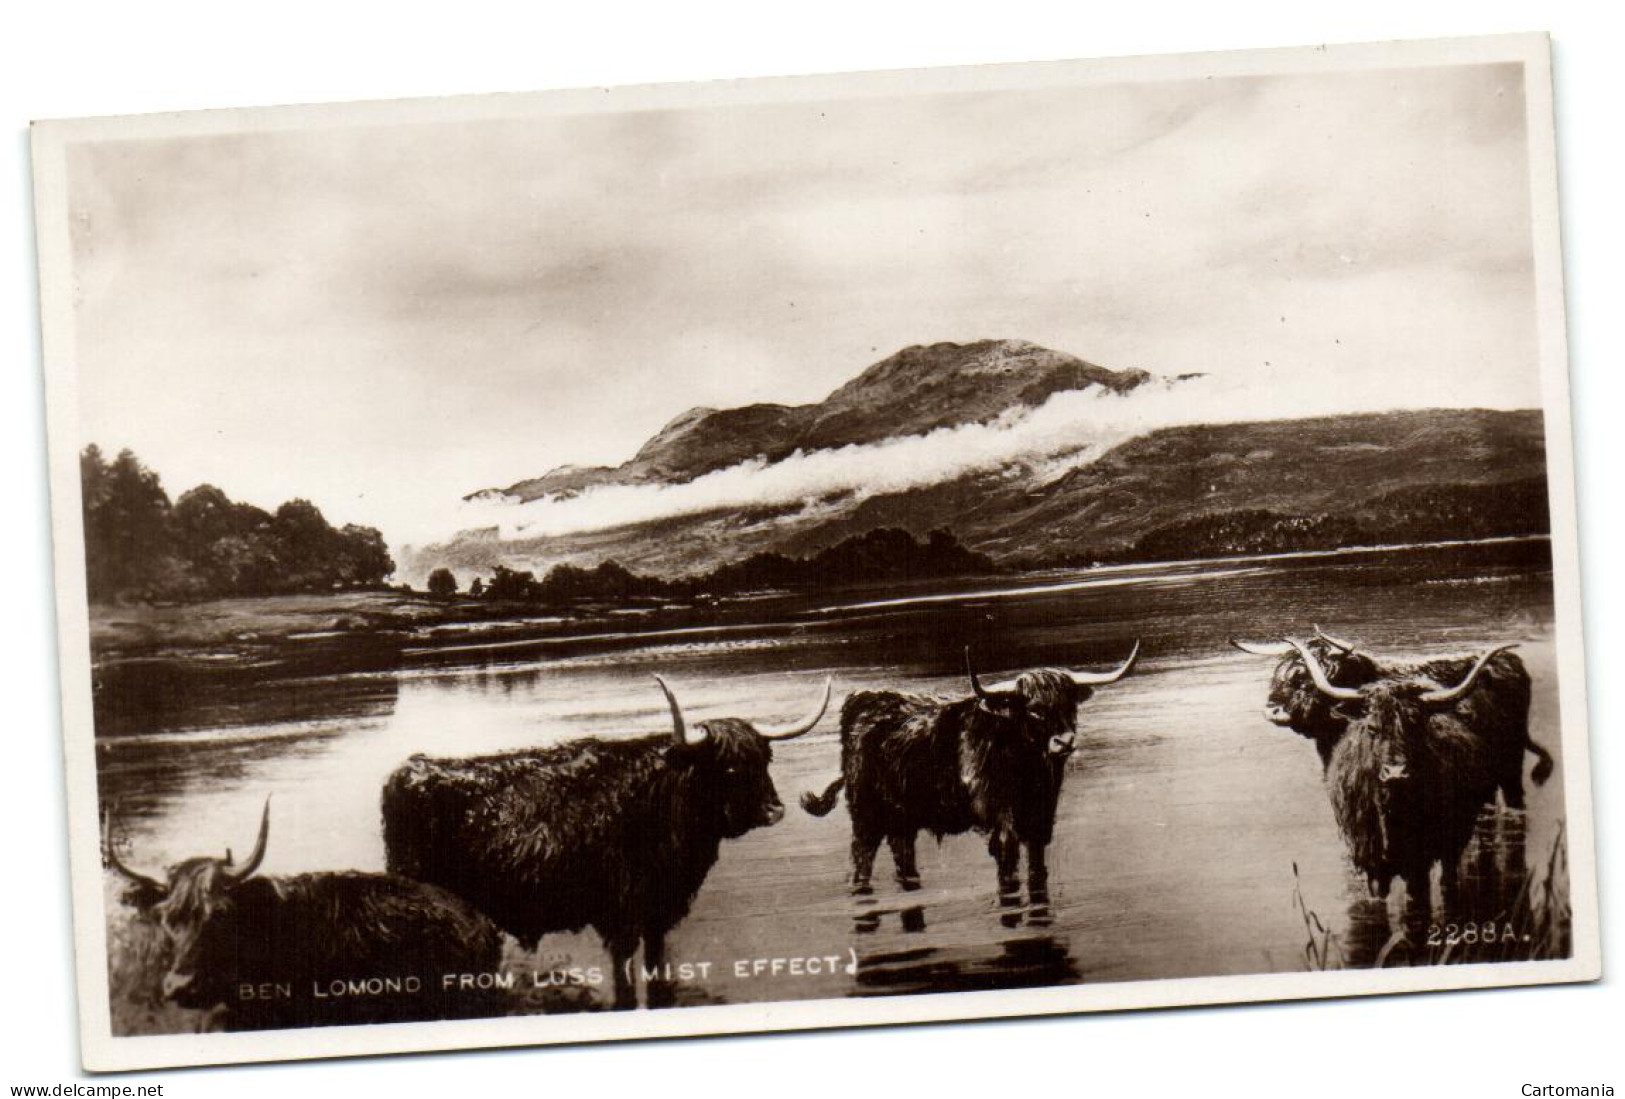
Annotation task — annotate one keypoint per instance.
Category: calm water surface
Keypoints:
(1182, 815)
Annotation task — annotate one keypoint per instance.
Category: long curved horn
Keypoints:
(116, 863)
(1262, 648)
(1318, 674)
(1450, 694)
(975, 684)
(256, 856)
(1093, 679)
(992, 696)
(785, 732)
(1335, 642)
(679, 727)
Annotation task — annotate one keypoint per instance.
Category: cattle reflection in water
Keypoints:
(1028, 962)
(1492, 915)
(1034, 960)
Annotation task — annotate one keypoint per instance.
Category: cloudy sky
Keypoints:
(383, 318)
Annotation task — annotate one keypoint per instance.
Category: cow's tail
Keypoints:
(1543, 769)
(819, 805)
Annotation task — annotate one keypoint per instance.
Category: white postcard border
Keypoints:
(101, 1051)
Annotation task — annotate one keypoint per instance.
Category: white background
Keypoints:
(73, 59)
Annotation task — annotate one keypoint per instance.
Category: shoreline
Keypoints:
(238, 630)
(149, 658)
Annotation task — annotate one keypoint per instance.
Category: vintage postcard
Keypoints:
(815, 552)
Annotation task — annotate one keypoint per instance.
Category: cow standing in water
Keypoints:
(1408, 776)
(618, 835)
(993, 762)
(1496, 709)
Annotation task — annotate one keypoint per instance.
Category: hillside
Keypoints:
(915, 391)
(1249, 487)
(1330, 466)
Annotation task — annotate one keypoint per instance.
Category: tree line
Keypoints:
(886, 553)
(140, 546)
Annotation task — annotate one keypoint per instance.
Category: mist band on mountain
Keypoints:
(1027, 454)
(1185, 491)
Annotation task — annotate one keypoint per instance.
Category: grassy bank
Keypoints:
(242, 626)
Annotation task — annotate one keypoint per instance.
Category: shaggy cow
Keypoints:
(993, 762)
(1496, 709)
(310, 949)
(617, 835)
(1408, 776)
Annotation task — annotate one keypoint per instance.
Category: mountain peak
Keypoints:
(919, 389)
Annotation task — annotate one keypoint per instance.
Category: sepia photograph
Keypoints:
(826, 551)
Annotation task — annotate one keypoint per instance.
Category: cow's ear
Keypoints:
(1081, 693)
(689, 751)
(144, 896)
(1346, 711)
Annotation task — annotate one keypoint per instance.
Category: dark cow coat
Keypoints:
(616, 835)
(1496, 709)
(1402, 828)
(911, 764)
(363, 931)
